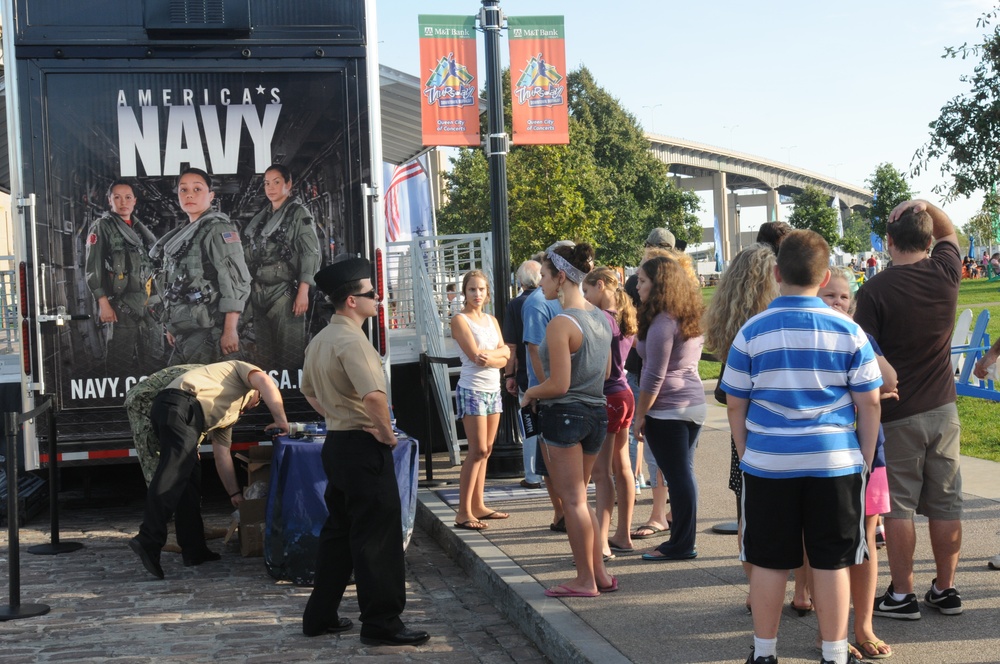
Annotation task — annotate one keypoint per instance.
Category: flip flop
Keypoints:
(495, 515)
(653, 532)
(801, 610)
(619, 549)
(564, 591)
(612, 588)
(471, 525)
(874, 652)
(673, 556)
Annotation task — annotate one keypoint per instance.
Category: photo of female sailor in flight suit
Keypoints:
(205, 279)
(282, 253)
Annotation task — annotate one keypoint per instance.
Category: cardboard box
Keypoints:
(258, 463)
(252, 517)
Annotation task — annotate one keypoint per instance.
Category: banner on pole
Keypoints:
(450, 108)
(540, 109)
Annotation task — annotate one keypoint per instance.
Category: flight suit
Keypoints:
(282, 251)
(118, 267)
(204, 277)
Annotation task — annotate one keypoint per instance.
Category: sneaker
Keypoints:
(770, 659)
(887, 607)
(851, 659)
(994, 562)
(879, 537)
(948, 602)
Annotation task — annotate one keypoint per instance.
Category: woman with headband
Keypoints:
(576, 357)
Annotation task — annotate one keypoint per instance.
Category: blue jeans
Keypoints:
(673, 443)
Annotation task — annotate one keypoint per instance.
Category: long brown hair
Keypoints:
(624, 309)
(671, 292)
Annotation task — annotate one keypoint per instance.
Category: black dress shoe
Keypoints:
(149, 560)
(342, 625)
(206, 555)
(404, 637)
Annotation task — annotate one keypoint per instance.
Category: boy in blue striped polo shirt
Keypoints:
(803, 404)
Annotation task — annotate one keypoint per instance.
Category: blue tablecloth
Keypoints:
(296, 509)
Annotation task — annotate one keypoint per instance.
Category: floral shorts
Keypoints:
(474, 402)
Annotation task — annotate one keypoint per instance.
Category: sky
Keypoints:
(835, 88)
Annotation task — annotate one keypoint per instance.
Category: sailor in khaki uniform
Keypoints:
(206, 400)
(344, 381)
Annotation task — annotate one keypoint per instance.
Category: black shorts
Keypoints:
(825, 513)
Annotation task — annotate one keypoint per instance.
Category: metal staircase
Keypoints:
(419, 271)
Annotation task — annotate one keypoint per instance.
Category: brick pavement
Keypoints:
(105, 607)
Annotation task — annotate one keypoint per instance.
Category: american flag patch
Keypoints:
(230, 237)
(92, 239)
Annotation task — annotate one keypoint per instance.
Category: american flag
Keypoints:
(400, 174)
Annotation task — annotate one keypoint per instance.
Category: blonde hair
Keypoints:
(624, 308)
(847, 274)
(744, 291)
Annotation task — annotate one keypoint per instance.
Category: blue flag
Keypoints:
(876, 242)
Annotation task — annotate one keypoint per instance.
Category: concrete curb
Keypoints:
(554, 628)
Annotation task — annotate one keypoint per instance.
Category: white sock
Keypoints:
(936, 590)
(898, 597)
(835, 651)
(766, 647)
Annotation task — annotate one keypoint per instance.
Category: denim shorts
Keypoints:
(567, 424)
(474, 402)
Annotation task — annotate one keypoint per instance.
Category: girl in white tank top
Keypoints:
(478, 397)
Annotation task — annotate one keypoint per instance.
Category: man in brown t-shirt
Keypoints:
(909, 309)
(202, 401)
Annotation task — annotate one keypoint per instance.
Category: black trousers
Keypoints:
(363, 533)
(175, 489)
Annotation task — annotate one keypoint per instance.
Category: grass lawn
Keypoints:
(979, 417)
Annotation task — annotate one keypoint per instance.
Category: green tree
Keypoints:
(981, 226)
(889, 188)
(813, 212)
(966, 134)
(857, 237)
(605, 187)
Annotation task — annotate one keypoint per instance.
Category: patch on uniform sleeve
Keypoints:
(230, 236)
(92, 239)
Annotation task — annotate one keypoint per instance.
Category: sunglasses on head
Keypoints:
(371, 295)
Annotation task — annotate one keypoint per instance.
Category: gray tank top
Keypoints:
(589, 363)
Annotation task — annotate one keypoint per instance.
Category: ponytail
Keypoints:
(627, 321)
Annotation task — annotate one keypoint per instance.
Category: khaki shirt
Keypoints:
(341, 367)
(223, 389)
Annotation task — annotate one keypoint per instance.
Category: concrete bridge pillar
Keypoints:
(773, 205)
(720, 205)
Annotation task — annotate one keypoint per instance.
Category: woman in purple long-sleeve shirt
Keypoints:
(671, 407)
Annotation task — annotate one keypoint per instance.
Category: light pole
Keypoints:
(652, 117)
(788, 152)
(731, 128)
(506, 458)
(739, 231)
(834, 167)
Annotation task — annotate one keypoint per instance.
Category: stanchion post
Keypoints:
(54, 547)
(15, 609)
(425, 370)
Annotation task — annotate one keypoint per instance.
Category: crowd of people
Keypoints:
(835, 421)
(875, 424)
